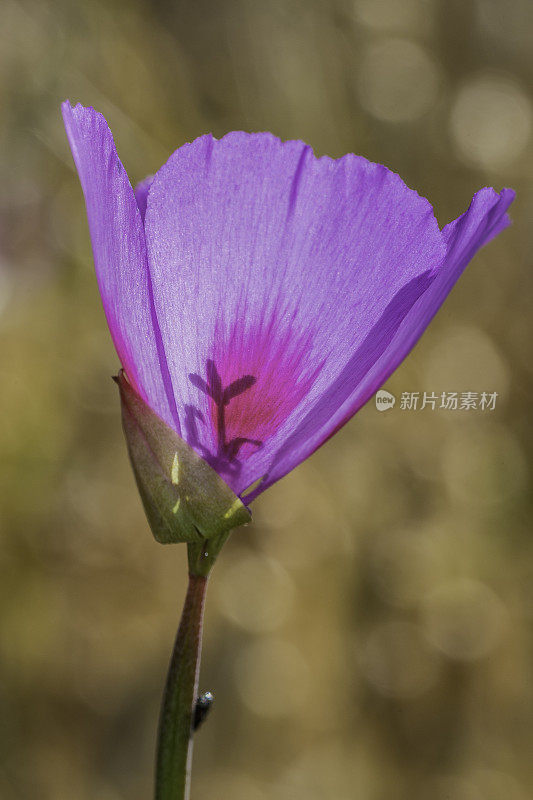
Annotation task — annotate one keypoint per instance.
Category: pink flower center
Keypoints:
(257, 380)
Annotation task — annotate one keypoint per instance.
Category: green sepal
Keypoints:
(185, 500)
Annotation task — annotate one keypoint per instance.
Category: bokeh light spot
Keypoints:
(395, 15)
(483, 466)
(255, 593)
(398, 80)
(464, 358)
(464, 619)
(272, 678)
(491, 121)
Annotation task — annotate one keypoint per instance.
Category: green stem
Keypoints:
(174, 748)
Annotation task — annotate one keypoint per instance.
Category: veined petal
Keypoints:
(119, 248)
(279, 279)
(485, 218)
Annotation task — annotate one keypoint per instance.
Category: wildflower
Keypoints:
(258, 296)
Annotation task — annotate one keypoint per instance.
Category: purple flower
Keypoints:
(258, 296)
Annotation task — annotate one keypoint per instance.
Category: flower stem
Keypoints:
(174, 747)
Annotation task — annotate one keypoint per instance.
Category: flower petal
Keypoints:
(276, 277)
(141, 194)
(119, 248)
(485, 218)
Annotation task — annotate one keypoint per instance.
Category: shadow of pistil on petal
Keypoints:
(227, 451)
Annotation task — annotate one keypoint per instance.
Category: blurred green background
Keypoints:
(370, 635)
